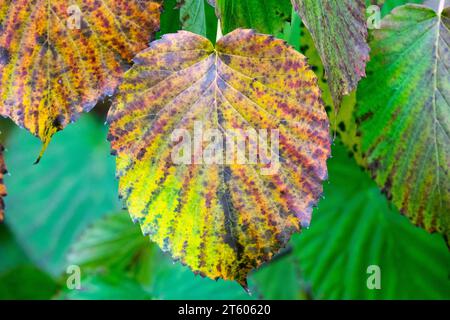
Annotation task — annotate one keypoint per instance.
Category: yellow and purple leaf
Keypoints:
(58, 57)
(222, 218)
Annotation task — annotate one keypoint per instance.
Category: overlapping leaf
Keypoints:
(198, 16)
(339, 30)
(404, 108)
(266, 16)
(58, 58)
(221, 219)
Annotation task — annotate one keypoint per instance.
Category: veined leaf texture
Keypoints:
(222, 218)
(404, 109)
(58, 57)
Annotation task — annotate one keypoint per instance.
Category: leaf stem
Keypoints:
(219, 31)
(441, 7)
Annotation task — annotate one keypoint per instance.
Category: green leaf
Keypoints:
(265, 16)
(107, 287)
(339, 32)
(174, 281)
(10, 252)
(404, 109)
(353, 228)
(19, 279)
(170, 18)
(291, 31)
(49, 205)
(114, 245)
(198, 17)
(111, 242)
(280, 279)
(221, 217)
(26, 282)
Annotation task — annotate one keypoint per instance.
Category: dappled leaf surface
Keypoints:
(220, 219)
(339, 32)
(404, 108)
(52, 68)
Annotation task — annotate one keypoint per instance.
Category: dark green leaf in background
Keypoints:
(114, 245)
(107, 287)
(198, 16)
(111, 242)
(265, 16)
(19, 279)
(353, 228)
(50, 204)
(170, 18)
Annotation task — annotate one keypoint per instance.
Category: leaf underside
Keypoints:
(404, 108)
(220, 219)
(54, 66)
(339, 31)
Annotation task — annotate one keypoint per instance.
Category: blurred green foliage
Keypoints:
(65, 212)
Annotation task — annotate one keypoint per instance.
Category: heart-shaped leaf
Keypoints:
(222, 210)
(339, 30)
(58, 58)
(404, 108)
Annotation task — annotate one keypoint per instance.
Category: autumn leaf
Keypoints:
(220, 217)
(404, 109)
(2, 184)
(58, 58)
(339, 31)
